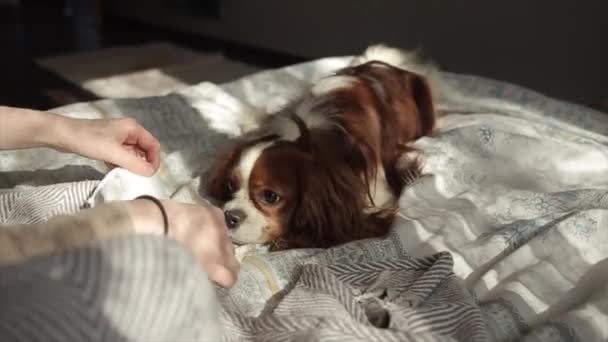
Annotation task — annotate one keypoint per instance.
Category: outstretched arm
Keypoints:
(24, 128)
(119, 142)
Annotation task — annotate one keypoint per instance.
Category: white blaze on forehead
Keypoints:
(248, 159)
(253, 226)
(332, 83)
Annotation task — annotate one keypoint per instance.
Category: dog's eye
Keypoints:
(230, 185)
(270, 197)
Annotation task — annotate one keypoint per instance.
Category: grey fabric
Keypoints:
(389, 300)
(126, 289)
(137, 288)
(152, 289)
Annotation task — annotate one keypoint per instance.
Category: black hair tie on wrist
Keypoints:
(162, 210)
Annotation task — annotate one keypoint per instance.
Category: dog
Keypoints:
(329, 167)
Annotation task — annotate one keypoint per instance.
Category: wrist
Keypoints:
(51, 130)
(146, 217)
(58, 132)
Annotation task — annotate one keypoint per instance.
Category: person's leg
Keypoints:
(129, 289)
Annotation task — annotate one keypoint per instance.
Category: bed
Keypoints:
(504, 239)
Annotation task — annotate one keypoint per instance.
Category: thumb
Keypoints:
(129, 160)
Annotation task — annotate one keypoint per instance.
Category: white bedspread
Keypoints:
(516, 191)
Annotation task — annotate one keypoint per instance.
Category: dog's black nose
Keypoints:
(234, 218)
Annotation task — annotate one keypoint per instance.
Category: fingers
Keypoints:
(224, 268)
(225, 271)
(146, 143)
(123, 157)
(202, 229)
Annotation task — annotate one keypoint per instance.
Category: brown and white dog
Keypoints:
(329, 167)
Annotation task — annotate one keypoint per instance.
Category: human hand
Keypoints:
(199, 228)
(118, 142)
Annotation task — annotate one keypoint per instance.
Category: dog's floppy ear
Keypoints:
(331, 209)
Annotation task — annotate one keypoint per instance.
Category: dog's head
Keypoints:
(303, 179)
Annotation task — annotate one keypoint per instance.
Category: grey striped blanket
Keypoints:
(389, 300)
(89, 293)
